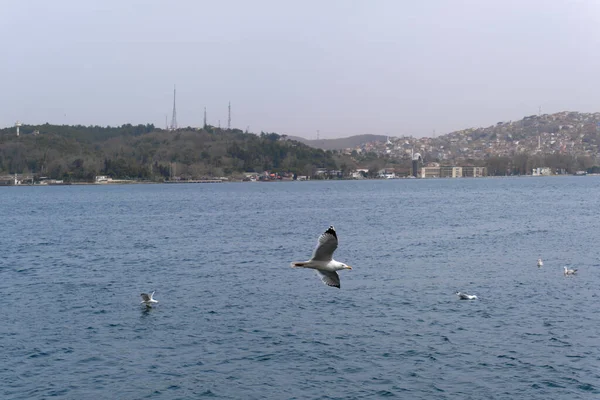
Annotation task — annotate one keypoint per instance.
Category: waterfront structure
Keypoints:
(447, 171)
(417, 161)
(451, 172)
(103, 179)
(474, 172)
(430, 172)
(541, 171)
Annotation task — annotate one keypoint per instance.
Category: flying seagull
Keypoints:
(322, 259)
(147, 299)
(540, 263)
(570, 271)
(464, 296)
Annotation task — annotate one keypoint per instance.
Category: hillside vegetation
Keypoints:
(341, 143)
(78, 153)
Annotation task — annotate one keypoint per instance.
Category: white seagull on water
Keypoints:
(322, 259)
(570, 271)
(464, 296)
(147, 299)
(540, 263)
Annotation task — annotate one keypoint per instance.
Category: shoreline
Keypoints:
(213, 181)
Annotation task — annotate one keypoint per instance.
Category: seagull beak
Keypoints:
(348, 267)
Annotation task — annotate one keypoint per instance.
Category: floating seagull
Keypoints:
(540, 263)
(570, 271)
(322, 259)
(464, 296)
(147, 299)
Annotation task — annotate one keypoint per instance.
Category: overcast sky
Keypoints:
(340, 67)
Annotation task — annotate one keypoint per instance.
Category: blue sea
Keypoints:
(234, 321)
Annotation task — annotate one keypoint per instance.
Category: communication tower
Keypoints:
(174, 118)
(229, 116)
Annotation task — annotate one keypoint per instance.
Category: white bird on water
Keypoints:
(464, 296)
(540, 263)
(148, 300)
(322, 259)
(570, 271)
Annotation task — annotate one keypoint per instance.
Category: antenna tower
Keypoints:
(174, 118)
(229, 117)
(204, 117)
(538, 127)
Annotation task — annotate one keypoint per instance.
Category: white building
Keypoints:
(103, 179)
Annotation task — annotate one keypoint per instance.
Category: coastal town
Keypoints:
(569, 133)
(537, 145)
(464, 153)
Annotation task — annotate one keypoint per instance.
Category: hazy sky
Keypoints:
(342, 67)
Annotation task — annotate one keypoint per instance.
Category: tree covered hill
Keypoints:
(341, 143)
(79, 153)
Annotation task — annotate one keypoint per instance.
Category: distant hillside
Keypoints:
(78, 153)
(564, 142)
(339, 144)
(567, 123)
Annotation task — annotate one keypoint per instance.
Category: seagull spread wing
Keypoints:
(145, 297)
(330, 278)
(326, 245)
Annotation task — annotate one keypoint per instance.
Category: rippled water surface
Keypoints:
(234, 321)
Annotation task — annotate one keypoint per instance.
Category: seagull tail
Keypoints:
(297, 264)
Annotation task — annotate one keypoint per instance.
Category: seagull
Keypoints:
(540, 263)
(570, 271)
(464, 296)
(147, 299)
(322, 259)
